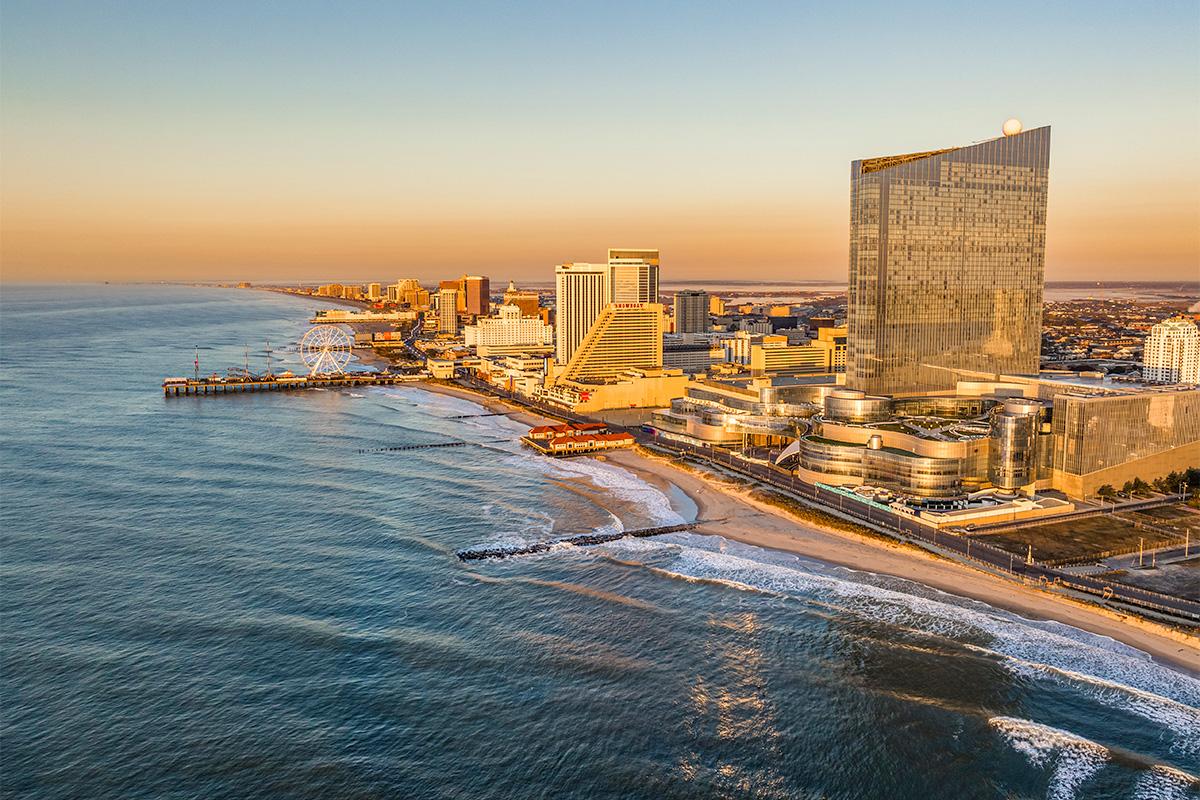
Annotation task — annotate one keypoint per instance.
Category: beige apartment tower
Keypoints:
(448, 311)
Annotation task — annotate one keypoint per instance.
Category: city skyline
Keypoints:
(230, 143)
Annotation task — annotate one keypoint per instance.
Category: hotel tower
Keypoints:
(947, 254)
(634, 276)
(582, 291)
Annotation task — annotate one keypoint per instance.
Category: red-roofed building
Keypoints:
(552, 431)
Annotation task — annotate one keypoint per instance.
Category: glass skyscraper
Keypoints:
(947, 255)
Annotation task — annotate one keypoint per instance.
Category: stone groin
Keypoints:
(583, 540)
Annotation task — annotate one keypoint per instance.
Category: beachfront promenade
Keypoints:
(886, 521)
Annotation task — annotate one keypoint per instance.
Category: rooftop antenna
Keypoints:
(268, 359)
(197, 362)
(247, 346)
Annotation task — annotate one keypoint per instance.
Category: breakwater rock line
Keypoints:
(483, 553)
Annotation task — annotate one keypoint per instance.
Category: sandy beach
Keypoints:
(734, 515)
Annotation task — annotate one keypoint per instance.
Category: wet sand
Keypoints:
(733, 514)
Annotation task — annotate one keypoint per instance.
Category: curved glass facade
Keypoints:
(908, 472)
(856, 407)
(1014, 458)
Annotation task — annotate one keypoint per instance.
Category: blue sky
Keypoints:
(274, 140)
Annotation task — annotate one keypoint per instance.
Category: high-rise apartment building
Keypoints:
(582, 291)
(375, 291)
(691, 311)
(478, 294)
(1172, 352)
(459, 286)
(625, 336)
(947, 254)
(448, 311)
(634, 275)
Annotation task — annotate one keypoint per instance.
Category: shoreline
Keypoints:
(734, 515)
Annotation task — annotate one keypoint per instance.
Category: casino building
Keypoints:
(947, 255)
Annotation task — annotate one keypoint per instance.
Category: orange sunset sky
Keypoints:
(360, 141)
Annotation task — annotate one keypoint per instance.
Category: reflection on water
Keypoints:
(222, 597)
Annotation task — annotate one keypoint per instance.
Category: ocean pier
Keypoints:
(582, 540)
(173, 387)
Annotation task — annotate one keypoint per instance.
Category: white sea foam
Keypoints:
(1183, 720)
(1073, 758)
(1112, 673)
(618, 483)
(1166, 783)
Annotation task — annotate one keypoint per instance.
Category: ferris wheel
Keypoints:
(325, 349)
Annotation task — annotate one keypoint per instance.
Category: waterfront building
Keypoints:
(716, 306)
(448, 311)
(581, 291)
(1010, 432)
(624, 336)
(1172, 352)
(691, 311)
(509, 333)
(374, 291)
(634, 276)
(477, 291)
(618, 364)
(947, 252)
(629, 389)
(530, 303)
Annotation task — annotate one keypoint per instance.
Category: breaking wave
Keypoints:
(1072, 758)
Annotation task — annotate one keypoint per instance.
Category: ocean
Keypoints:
(229, 597)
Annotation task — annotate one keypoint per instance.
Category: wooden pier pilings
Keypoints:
(281, 384)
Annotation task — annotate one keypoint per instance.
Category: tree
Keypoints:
(1106, 491)
(1140, 486)
(1129, 487)
(1192, 477)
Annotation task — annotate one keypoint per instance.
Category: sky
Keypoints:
(361, 141)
